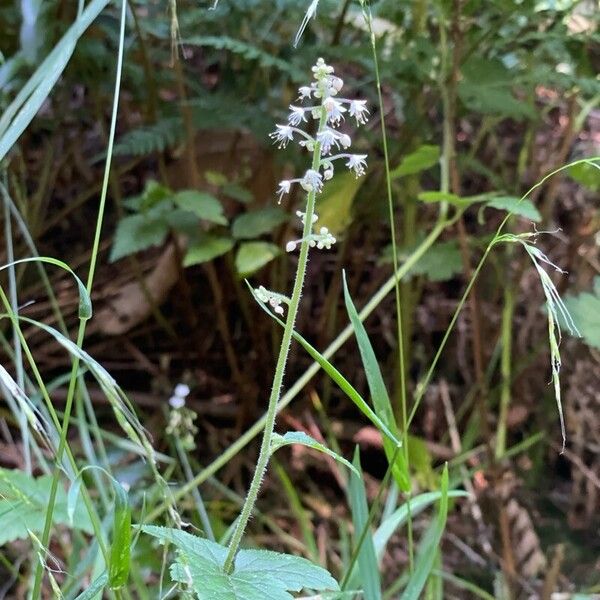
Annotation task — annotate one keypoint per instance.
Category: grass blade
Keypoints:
(381, 399)
(429, 546)
(367, 559)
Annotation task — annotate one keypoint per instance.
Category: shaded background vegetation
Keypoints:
(513, 89)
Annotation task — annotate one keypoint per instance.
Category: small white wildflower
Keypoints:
(279, 310)
(324, 239)
(262, 293)
(296, 115)
(328, 138)
(305, 92)
(359, 110)
(328, 174)
(345, 140)
(312, 181)
(335, 110)
(357, 162)
(181, 389)
(336, 84)
(290, 246)
(284, 188)
(177, 402)
(282, 135)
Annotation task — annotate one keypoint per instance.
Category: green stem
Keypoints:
(403, 401)
(507, 315)
(265, 447)
(82, 323)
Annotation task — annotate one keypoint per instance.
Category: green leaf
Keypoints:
(423, 158)
(257, 574)
(136, 233)
(23, 504)
(237, 192)
(586, 174)
(334, 205)
(21, 111)
(85, 302)
(206, 247)
(441, 262)
(486, 87)
(120, 550)
(95, 588)
(429, 546)
(524, 208)
(153, 195)
(585, 311)
(202, 204)
(367, 559)
(299, 437)
(252, 256)
(381, 399)
(258, 222)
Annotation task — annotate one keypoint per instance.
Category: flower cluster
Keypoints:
(320, 102)
(330, 112)
(322, 239)
(181, 419)
(273, 299)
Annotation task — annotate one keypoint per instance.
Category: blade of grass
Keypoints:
(30, 98)
(366, 557)
(368, 17)
(89, 284)
(428, 548)
(379, 395)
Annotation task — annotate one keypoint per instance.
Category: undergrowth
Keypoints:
(100, 507)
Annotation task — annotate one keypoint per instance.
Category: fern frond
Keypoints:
(246, 51)
(151, 138)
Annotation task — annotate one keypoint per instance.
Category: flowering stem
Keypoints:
(265, 447)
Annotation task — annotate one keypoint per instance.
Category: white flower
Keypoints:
(328, 138)
(359, 110)
(182, 390)
(284, 188)
(312, 181)
(282, 135)
(357, 162)
(324, 239)
(290, 246)
(335, 84)
(305, 92)
(345, 140)
(177, 402)
(335, 110)
(262, 294)
(296, 115)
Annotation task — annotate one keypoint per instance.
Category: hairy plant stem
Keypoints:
(301, 382)
(265, 447)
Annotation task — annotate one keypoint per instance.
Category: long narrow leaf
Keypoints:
(24, 107)
(429, 546)
(381, 399)
(367, 559)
